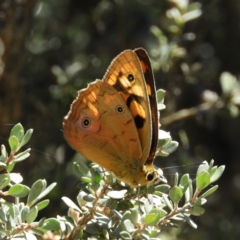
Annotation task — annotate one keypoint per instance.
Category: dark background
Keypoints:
(50, 49)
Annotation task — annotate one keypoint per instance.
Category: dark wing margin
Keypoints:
(150, 85)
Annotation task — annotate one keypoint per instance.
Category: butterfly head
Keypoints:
(148, 175)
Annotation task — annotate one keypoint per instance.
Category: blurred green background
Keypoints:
(50, 49)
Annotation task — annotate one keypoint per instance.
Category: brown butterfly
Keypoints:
(114, 122)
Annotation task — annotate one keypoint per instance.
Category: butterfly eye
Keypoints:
(120, 109)
(86, 122)
(150, 176)
(130, 77)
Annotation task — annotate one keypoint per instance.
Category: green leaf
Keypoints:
(125, 235)
(31, 216)
(191, 15)
(170, 148)
(81, 169)
(201, 201)
(217, 174)
(160, 99)
(184, 181)
(209, 192)
(197, 211)
(4, 180)
(26, 137)
(86, 179)
(176, 194)
(10, 167)
(204, 167)
(22, 156)
(35, 191)
(45, 191)
(4, 153)
(203, 180)
(152, 218)
(14, 144)
(41, 205)
(17, 131)
(228, 82)
(162, 188)
(51, 224)
(18, 190)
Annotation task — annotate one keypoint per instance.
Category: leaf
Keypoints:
(176, 194)
(152, 218)
(42, 194)
(13, 143)
(81, 169)
(17, 131)
(41, 205)
(197, 211)
(70, 203)
(128, 226)
(190, 222)
(228, 82)
(24, 213)
(4, 180)
(89, 198)
(35, 191)
(22, 156)
(162, 188)
(217, 174)
(16, 177)
(18, 190)
(51, 224)
(171, 147)
(31, 216)
(26, 137)
(4, 153)
(125, 235)
(203, 180)
(203, 167)
(117, 194)
(209, 192)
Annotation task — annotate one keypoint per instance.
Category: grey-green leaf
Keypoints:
(217, 174)
(18, 190)
(209, 191)
(26, 137)
(31, 216)
(22, 156)
(35, 191)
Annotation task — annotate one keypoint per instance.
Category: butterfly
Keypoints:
(114, 122)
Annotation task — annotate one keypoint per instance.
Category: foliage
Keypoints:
(106, 209)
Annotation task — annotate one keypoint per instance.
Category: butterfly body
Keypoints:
(111, 122)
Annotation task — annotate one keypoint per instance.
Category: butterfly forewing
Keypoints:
(126, 76)
(151, 90)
